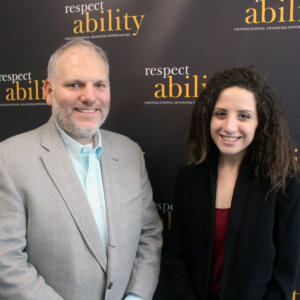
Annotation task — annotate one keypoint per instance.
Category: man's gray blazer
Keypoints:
(50, 247)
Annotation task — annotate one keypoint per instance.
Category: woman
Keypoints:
(235, 231)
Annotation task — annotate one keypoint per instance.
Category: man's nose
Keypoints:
(88, 94)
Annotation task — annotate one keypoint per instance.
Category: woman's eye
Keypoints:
(245, 116)
(220, 114)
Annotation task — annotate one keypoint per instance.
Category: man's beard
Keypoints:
(63, 115)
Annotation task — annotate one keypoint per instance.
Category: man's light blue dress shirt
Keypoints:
(86, 161)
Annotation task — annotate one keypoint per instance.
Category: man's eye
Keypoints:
(101, 85)
(74, 85)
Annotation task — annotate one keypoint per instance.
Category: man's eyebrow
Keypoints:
(72, 80)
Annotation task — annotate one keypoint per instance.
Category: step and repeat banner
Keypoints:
(161, 54)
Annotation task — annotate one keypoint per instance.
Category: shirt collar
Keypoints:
(74, 148)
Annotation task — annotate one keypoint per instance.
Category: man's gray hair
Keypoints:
(51, 69)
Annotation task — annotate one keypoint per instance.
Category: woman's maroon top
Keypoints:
(221, 221)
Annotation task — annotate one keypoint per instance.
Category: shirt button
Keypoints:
(110, 285)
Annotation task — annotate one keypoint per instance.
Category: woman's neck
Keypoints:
(230, 162)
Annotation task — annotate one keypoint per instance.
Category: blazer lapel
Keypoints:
(110, 167)
(61, 170)
(237, 210)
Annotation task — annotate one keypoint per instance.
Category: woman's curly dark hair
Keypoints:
(271, 153)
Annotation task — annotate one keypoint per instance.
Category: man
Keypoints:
(77, 219)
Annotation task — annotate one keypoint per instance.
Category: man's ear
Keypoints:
(48, 89)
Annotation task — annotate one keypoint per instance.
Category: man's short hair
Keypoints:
(51, 69)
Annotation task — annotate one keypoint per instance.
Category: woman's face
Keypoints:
(234, 121)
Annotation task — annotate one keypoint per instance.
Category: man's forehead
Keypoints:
(76, 51)
(78, 59)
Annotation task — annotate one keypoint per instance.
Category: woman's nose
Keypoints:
(230, 124)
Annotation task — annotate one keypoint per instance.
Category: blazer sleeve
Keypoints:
(287, 243)
(175, 261)
(18, 278)
(145, 272)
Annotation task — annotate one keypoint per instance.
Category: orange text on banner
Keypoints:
(34, 91)
(270, 14)
(108, 23)
(172, 89)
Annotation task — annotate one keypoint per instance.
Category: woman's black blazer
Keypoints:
(262, 242)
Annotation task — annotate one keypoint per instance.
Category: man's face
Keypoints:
(80, 95)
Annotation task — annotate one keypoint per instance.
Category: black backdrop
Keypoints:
(161, 54)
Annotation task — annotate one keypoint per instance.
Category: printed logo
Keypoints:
(165, 210)
(21, 89)
(296, 295)
(270, 15)
(94, 20)
(174, 85)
